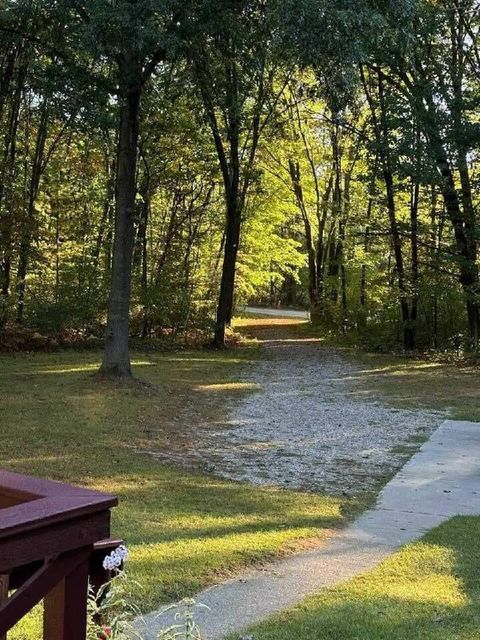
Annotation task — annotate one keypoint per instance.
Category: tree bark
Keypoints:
(116, 359)
(457, 108)
(28, 225)
(464, 227)
(7, 169)
(315, 305)
(414, 202)
(366, 244)
(227, 284)
(381, 129)
(336, 244)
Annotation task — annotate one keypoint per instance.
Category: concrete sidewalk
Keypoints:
(440, 481)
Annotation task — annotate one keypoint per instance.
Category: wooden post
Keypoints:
(65, 613)
(48, 532)
(3, 595)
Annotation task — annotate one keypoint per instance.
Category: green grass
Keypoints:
(430, 590)
(411, 382)
(185, 530)
(408, 381)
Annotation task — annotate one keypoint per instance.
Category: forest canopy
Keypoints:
(164, 162)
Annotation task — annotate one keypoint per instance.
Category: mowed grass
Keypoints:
(184, 529)
(430, 590)
(410, 382)
(407, 381)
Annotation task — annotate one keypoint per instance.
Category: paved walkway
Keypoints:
(440, 481)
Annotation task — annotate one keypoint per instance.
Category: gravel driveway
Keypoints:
(308, 426)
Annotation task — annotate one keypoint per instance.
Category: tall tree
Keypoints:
(424, 57)
(134, 35)
(232, 52)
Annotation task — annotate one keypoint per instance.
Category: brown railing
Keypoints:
(53, 536)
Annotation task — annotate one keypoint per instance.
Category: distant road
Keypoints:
(278, 313)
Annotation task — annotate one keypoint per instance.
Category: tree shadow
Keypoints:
(429, 591)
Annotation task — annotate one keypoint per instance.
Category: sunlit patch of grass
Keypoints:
(429, 590)
(185, 530)
(408, 382)
(91, 367)
(252, 320)
(229, 386)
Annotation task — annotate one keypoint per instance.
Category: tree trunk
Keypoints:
(415, 196)
(108, 205)
(28, 225)
(116, 359)
(366, 243)
(343, 281)
(464, 227)
(464, 231)
(457, 70)
(408, 323)
(336, 245)
(227, 284)
(142, 248)
(320, 250)
(7, 170)
(295, 177)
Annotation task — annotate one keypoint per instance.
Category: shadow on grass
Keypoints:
(428, 591)
(185, 529)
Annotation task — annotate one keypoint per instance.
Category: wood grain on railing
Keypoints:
(51, 538)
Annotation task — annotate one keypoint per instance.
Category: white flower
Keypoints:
(116, 558)
(122, 551)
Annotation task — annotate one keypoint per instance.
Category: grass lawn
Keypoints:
(411, 382)
(185, 530)
(430, 590)
(408, 381)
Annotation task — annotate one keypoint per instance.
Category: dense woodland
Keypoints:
(162, 163)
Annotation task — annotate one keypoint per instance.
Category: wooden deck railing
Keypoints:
(52, 537)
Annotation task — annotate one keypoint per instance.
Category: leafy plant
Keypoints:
(111, 608)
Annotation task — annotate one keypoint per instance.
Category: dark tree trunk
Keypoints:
(108, 206)
(366, 240)
(142, 248)
(382, 136)
(116, 359)
(227, 284)
(320, 250)
(28, 226)
(436, 223)
(408, 326)
(466, 242)
(336, 244)
(366, 243)
(236, 163)
(457, 70)
(414, 259)
(174, 224)
(462, 221)
(343, 281)
(7, 170)
(313, 294)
